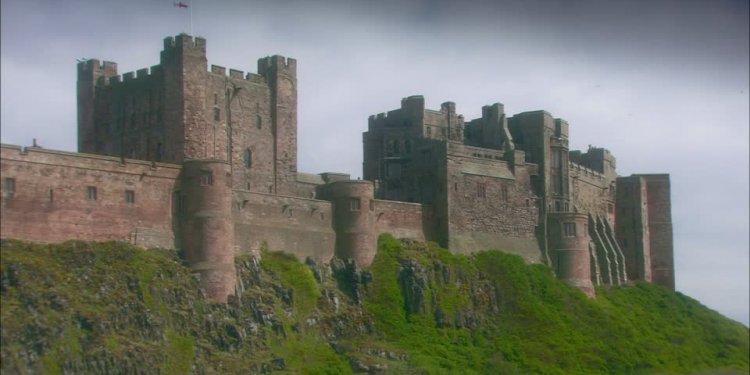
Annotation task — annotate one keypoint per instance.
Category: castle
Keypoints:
(187, 157)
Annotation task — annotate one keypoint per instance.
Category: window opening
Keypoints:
(159, 151)
(569, 229)
(217, 114)
(481, 190)
(248, 158)
(10, 186)
(207, 178)
(91, 193)
(130, 197)
(354, 204)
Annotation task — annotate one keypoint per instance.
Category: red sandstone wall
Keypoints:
(403, 220)
(590, 193)
(299, 226)
(501, 215)
(30, 213)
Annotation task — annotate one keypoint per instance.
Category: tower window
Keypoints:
(569, 229)
(247, 157)
(10, 186)
(217, 114)
(129, 197)
(354, 204)
(258, 122)
(91, 193)
(159, 151)
(504, 193)
(207, 178)
(481, 190)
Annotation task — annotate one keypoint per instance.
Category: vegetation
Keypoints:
(83, 307)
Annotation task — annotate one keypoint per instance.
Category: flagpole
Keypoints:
(190, 5)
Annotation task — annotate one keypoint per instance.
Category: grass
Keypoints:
(80, 307)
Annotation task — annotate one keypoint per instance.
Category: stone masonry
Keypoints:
(203, 159)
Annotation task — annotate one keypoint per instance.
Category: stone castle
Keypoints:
(205, 160)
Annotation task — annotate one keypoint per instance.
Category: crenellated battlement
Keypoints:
(238, 74)
(276, 63)
(184, 41)
(94, 65)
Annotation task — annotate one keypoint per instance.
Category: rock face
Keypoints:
(111, 308)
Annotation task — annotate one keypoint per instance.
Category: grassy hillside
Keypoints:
(110, 308)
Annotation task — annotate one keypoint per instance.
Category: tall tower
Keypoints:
(184, 63)
(281, 76)
(89, 72)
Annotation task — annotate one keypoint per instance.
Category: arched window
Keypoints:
(248, 158)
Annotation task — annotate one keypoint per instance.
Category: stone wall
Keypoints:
(660, 229)
(404, 220)
(591, 192)
(488, 207)
(303, 227)
(61, 195)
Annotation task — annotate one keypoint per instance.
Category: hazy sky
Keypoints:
(662, 84)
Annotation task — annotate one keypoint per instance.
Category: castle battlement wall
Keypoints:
(51, 196)
(300, 226)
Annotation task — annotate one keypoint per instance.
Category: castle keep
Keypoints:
(185, 156)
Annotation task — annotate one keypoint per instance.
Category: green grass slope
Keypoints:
(110, 308)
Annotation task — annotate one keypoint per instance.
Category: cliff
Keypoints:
(82, 307)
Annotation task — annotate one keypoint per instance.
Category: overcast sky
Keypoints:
(662, 84)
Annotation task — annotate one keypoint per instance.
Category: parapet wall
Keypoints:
(404, 220)
(303, 227)
(62, 195)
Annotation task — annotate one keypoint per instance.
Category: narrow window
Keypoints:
(372, 205)
(91, 193)
(216, 99)
(180, 203)
(569, 229)
(481, 190)
(217, 114)
(258, 122)
(504, 193)
(10, 186)
(159, 151)
(207, 178)
(51, 195)
(428, 131)
(354, 204)
(129, 197)
(248, 158)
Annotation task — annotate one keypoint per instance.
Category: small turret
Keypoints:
(352, 219)
(207, 229)
(569, 242)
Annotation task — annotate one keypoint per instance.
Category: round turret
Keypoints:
(569, 241)
(352, 219)
(207, 230)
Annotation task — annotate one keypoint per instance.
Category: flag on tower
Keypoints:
(180, 5)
